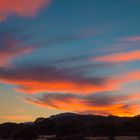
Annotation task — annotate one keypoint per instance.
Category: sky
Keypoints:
(78, 56)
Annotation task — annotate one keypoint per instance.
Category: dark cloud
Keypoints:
(51, 79)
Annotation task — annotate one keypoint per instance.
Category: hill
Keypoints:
(73, 124)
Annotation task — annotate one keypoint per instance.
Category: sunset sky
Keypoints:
(79, 56)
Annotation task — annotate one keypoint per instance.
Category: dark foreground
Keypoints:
(69, 126)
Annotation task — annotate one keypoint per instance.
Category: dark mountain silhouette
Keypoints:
(68, 124)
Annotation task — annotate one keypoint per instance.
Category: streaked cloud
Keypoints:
(119, 57)
(12, 49)
(127, 77)
(131, 39)
(95, 104)
(132, 76)
(38, 79)
(24, 8)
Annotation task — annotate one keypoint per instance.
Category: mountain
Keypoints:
(72, 124)
(96, 119)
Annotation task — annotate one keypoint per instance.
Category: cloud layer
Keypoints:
(95, 104)
(26, 8)
(38, 79)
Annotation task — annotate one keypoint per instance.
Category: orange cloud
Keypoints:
(133, 76)
(33, 80)
(33, 87)
(62, 86)
(134, 97)
(37, 80)
(74, 105)
(129, 77)
(51, 79)
(119, 57)
(118, 81)
(26, 8)
(83, 105)
(10, 50)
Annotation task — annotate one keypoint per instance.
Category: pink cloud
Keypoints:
(119, 57)
(26, 8)
(10, 50)
(125, 78)
(132, 76)
(132, 39)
